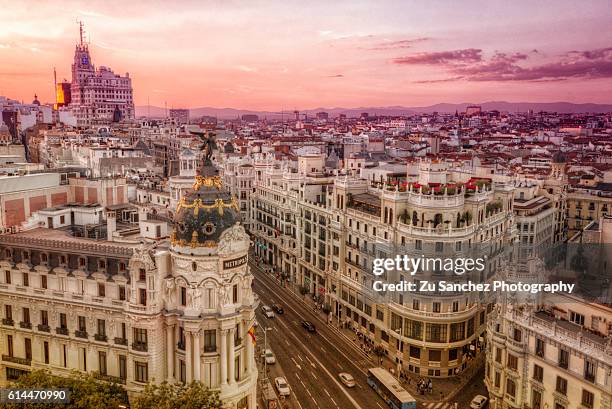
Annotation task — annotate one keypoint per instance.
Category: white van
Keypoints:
(267, 311)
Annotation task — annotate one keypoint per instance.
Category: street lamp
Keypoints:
(400, 331)
(265, 331)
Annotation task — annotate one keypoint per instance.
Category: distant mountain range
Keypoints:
(231, 113)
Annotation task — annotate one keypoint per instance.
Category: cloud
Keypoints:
(468, 55)
(246, 68)
(397, 44)
(336, 76)
(468, 64)
(450, 79)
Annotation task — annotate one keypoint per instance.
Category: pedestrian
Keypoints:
(381, 361)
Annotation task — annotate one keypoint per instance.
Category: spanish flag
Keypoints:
(252, 334)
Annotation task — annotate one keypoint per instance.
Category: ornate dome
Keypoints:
(204, 213)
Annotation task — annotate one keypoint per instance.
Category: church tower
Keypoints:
(209, 303)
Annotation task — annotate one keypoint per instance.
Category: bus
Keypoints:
(390, 389)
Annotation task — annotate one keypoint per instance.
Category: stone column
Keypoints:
(170, 352)
(196, 356)
(249, 352)
(223, 357)
(232, 356)
(188, 357)
(252, 400)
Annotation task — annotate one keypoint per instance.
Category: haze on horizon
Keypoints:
(273, 55)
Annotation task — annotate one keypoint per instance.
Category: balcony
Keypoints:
(7, 321)
(15, 360)
(25, 325)
(121, 341)
(61, 331)
(44, 328)
(100, 337)
(80, 334)
(109, 378)
(139, 346)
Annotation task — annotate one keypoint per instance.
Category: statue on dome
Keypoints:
(208, 145)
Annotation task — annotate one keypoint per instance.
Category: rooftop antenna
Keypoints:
(55, 85)
(80, 32)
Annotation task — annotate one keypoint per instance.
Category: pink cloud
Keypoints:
(468, 55)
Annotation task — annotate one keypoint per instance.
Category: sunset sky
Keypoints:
(277, 55)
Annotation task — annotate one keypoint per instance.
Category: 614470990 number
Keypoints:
(34, 396)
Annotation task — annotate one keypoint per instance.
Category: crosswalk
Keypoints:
(439, 405)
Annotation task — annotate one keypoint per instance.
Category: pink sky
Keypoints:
(289, 54)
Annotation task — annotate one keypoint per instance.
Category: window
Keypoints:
(435, 332)
(435, 355)
(510, 387)
(182, 371)
(563, 358)
(44, 318)
(9, 345)
(46, 351)
(28, 348)
(43, 281)
(8, 312)
(576, 318)
(235, 294)
(457, 331)
(538, 373)
(142, 274)
(142, 296)
(455, 306)
(26, 279)
(497, 379)
(62, 320)
(122, 293)
(540, 347)
(589, 371)
(536, 399)
(101, 290)
(498, 355)
(141, 372)
(26, 315)
(561, 385)
(518, 335)
(415, 352)
(436, 307)
(439, 247)
(418, 245)
(140, 336)
(102, 362)
(101, 327)
(453, 354)
(183, 296)
(122, 367)
(7, 276)
(82, 324)
(512, 362)
(210, 340)
(588, 398)
(414, 329)
(415, 304)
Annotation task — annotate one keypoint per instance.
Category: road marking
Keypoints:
(300, 357)
(287, 342)
(333, 378)
(327, 392)
(315, 376)
(299, 404)
(379, 405)
(352, 360)
(298, 376)
(332, 399)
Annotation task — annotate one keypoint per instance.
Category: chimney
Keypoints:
(111, 224)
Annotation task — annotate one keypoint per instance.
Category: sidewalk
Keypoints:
(449, 387)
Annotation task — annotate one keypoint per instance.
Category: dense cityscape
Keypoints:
(236, 252)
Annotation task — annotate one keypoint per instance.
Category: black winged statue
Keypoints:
(207, 146)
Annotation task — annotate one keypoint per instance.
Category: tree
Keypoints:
(174, 396)
(85, 390)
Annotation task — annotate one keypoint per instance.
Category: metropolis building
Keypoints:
(176, 310)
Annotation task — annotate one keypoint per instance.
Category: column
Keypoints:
(232, 357)
(249, 354)
(223, 357)
(252, 400)
(196, 356)
(188, 358)
(170, 352)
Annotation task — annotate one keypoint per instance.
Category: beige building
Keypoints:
(136, 313)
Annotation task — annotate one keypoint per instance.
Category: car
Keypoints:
(347, 379)
(267, 311)
(269, 357)
(282, 386)
(279, 310)
(479, 402)
(309, 326)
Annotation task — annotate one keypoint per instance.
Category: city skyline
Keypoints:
(268, 56)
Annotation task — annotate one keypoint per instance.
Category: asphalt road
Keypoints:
(311, 362)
